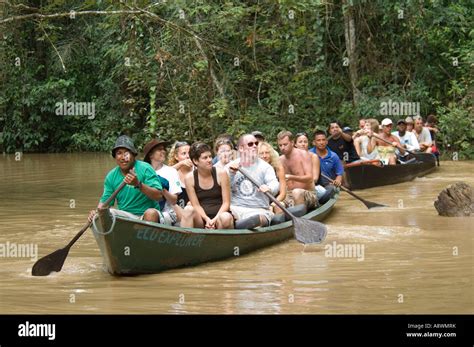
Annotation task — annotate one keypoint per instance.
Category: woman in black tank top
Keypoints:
(208, 190)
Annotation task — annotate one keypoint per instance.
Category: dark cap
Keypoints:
(258, 134)
(124, 141)
(400, 121)
(149, 147)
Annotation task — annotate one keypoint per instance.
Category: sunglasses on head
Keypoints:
(181, 144)
(251, 144)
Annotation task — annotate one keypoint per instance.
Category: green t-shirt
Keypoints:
(131, 199)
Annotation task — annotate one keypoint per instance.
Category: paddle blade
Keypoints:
(51, 262)
(371, 204)
(308, 231)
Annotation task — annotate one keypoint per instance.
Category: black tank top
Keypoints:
(183, 198)
(210, 199)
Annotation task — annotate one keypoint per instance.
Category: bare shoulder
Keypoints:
(189, 179)
(302, 154)
(221, 172)
(314, 156)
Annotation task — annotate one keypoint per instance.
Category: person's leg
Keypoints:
(123, 213)
(264, 222)
(392, 160)
(225, 221)
(248, 222)
(187, 216)
(298, 196)
(249, 218)
(197, 220)
(151, 215)
(310, 199)
(320, 191)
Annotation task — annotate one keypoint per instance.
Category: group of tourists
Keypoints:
(186, 185)
(375, 141)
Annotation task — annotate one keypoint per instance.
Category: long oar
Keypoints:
(368, 204)
(307, 231)
(383, 140)
(54, 261)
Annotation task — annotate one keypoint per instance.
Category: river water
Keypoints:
(410, 260)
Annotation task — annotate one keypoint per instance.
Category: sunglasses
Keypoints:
(181, 144)
(251, 144)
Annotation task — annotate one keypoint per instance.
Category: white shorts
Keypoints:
(240, 212)
(168, 217)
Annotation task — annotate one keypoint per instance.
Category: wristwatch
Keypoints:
(139, 185)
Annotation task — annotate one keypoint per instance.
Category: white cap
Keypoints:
(386, 121)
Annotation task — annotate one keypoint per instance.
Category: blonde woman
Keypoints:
(268, 154)
(178, 158)
(364, 147)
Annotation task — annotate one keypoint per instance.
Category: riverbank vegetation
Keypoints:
(194, 69)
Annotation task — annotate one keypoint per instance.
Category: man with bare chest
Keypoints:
(298, 172)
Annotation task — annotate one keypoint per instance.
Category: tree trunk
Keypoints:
(350, 37)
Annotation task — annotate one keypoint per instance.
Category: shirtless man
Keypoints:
(298, 172)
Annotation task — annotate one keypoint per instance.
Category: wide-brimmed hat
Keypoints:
(124, 141)
(149, 147)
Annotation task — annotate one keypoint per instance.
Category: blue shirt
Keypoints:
(331, 165)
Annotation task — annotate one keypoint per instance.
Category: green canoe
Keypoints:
(131, 247)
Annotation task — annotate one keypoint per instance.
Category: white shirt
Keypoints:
(409, 139)
(424, 136)
(364, 143)
(171, 174)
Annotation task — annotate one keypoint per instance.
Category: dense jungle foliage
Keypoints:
(194, 69)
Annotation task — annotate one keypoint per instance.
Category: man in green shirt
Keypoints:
(139, 198)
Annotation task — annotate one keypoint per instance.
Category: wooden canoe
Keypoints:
(368, 176)
(131, 247)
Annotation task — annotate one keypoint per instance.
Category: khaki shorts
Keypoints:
(240, 212)
(310, 199)
(164, 219)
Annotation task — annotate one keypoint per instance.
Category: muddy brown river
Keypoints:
(406, 258)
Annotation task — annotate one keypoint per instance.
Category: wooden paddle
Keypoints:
(307, 231)
(368, 204)
(55, 261)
